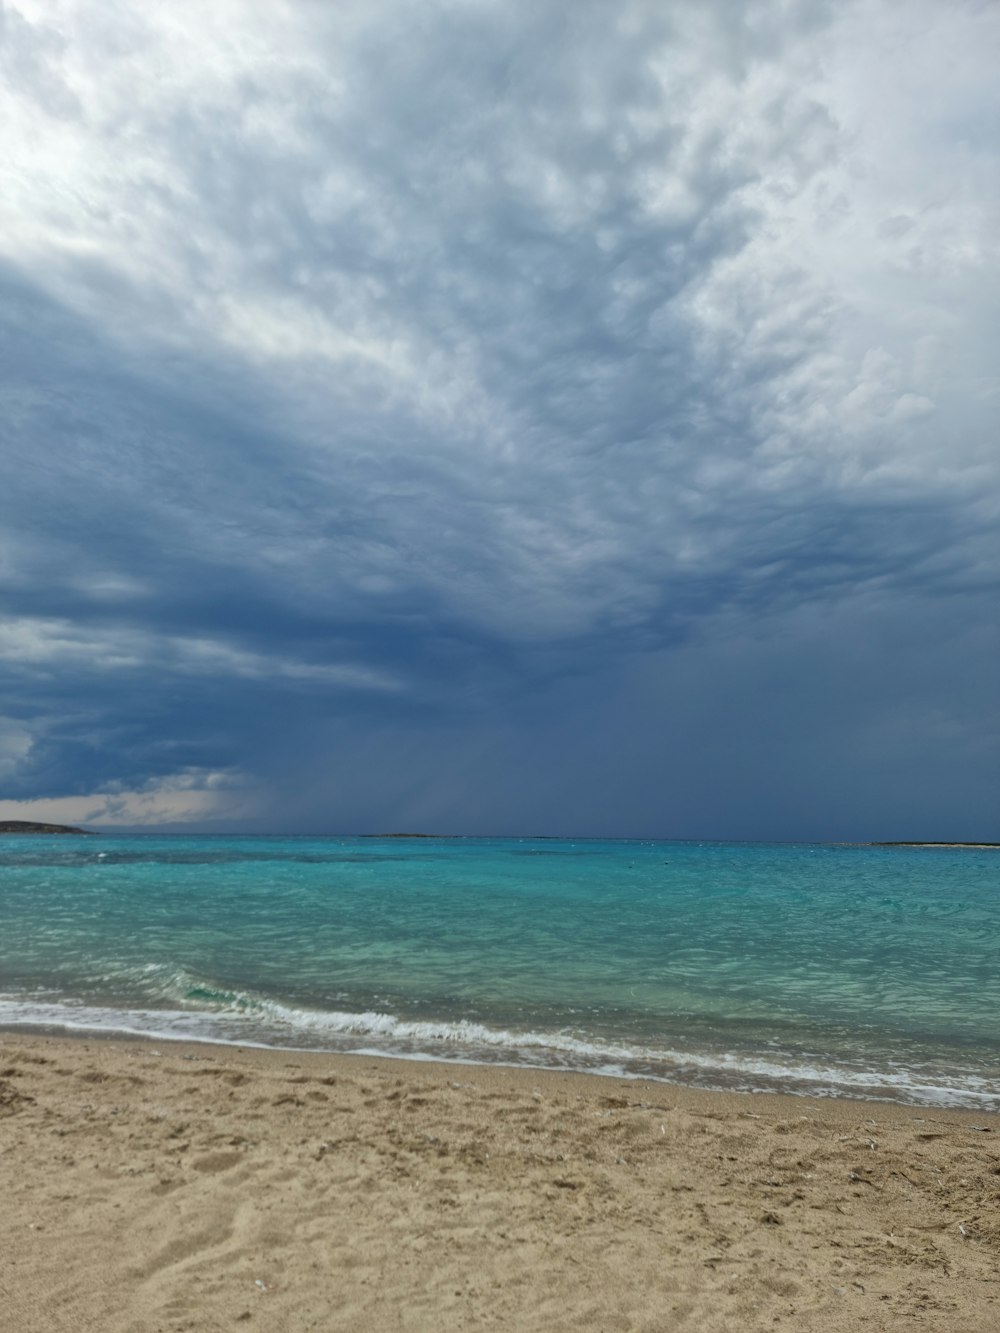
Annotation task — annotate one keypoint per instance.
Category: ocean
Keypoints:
(830, 970)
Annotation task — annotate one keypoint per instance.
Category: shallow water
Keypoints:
(813, 968)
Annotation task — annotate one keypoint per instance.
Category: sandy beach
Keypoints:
(151, 1187)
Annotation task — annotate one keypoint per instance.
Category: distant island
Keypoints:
(27, 826)
(933, 844)
(407, 835)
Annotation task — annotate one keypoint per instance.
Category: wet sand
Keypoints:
(149, 1187)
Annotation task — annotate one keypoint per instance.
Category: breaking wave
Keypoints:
(182, 1007)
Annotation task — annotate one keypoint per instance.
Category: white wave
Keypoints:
(249, 1020)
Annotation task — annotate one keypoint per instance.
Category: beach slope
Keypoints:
(152, 1187)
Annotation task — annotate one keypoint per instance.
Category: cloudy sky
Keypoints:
(501, 416)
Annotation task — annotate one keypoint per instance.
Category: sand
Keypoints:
(148, 1187)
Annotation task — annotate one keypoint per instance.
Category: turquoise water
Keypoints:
(810, 968)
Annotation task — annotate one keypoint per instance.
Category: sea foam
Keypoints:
(245, 1019)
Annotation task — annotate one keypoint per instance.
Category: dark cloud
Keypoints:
(412, 413)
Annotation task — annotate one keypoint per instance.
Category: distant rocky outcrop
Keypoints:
(405, 835)
(976, 846)
(28, 826)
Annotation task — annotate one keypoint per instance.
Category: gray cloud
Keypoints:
(377, 368)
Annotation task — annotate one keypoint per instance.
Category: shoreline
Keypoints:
(175, 1185)
(756, 1075)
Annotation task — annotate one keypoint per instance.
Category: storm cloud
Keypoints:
(501, 417)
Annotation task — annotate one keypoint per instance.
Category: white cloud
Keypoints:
(49, 643)
(190, 796)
